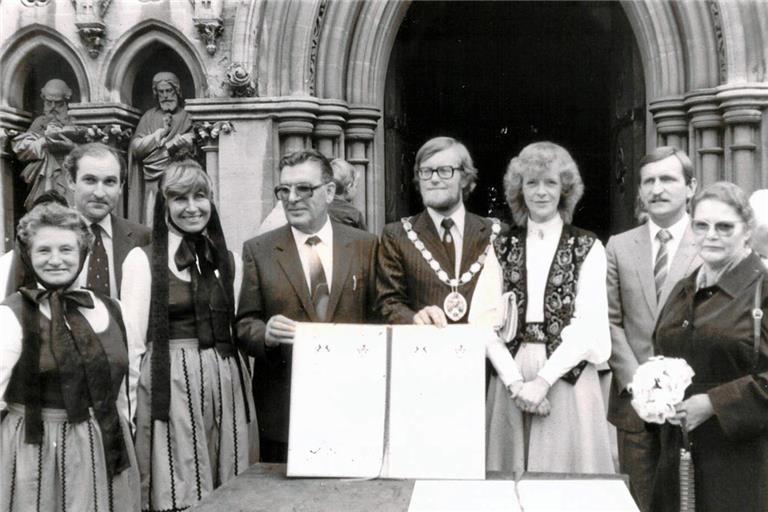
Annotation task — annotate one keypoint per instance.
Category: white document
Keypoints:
(577, 495)
(437, 403)
(338, 390)
(464, 496)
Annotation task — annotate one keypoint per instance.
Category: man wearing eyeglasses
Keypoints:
(644, 264)
(309, 270)
(427, 264)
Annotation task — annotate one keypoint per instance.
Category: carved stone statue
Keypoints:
(48, 140)
(164, 134)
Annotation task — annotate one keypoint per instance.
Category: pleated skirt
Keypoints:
(207, 440)
(573, 438)
(66, 472)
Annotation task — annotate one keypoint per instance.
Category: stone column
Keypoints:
(296, 121)
(328, 131)
(671, 123)
(742, 112)
(361, 128)
(12, 122)
(707, 136)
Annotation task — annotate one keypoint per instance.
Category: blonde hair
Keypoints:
(184, 177)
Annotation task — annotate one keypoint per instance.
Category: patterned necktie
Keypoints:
(450, 247)
(318, 283)
(98, 264)
(660, 267)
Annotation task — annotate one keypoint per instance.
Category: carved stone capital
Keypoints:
(704, 109)
(670, 115)
(362, 122)
(92, 34)
(210, 29)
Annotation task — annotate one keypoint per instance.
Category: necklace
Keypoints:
(455, 304)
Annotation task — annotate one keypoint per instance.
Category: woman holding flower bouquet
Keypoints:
(546, 412)
(709, 321)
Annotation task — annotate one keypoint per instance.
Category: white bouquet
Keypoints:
(658, 385)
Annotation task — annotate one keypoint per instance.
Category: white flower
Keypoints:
(658, 385)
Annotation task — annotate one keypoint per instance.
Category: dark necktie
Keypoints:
(450, 247)
(98, 265)
(317, 280)
(660, 267)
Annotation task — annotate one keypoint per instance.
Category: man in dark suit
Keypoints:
(310, 270)
(644, 264)
(95, 176)
(427, 264)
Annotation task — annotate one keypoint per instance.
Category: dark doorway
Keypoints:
(500, 75)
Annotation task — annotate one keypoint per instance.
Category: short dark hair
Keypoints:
(662, 152)
(92, 149)
(309, 155)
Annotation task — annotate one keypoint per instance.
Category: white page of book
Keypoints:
(338, 389)
(437, 402)
(464, 496)
(577, 495)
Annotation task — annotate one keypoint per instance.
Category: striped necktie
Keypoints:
(662, 257)
(318, 283)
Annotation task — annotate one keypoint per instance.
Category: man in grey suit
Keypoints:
(310, 270)
(95, 176)
(644, 264)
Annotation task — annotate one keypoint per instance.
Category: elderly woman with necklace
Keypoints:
(546, 412)
(196, 422)
(64, 442)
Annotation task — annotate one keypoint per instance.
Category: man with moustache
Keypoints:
(163, 133)
(46, 143)
(95, 176)
(312, 269)
(644, 264)
(427, 264)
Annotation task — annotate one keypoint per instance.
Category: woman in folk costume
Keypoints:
(546, 411)
(65, 442)
(196, 422)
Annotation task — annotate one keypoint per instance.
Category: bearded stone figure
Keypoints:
(164, 134)
(48, 140)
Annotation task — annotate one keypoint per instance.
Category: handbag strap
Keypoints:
(757, 317)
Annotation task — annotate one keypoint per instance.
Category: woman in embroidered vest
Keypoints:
(545, 412)
(196, 422)
(65, 443)
(708, 321)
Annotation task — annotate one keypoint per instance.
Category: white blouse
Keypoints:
(586, 337)
(98, 318)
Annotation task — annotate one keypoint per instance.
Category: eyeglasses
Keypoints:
(302, 190)
(444, 172)
(722, 228)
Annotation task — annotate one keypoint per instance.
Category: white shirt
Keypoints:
(677, 230)
(457, 231)
(324, 251)
(98, 318)
(586, 337)
(106, 239)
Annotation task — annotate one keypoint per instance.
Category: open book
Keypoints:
(388, 401)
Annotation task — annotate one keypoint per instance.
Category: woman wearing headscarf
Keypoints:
(196, 422)
(64, 442)
(546, 412)
(714, 319)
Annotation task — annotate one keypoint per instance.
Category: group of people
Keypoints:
(153, 400)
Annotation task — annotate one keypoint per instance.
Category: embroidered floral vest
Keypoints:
(560, 290)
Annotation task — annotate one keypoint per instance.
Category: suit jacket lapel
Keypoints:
(342, 258)
(121, 244)
(644, 267)
(682, 265)
(425, 229)
(288, 258)
(474, 241)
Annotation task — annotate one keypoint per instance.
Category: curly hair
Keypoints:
(730, 194)
(56, 216)
(537, 158)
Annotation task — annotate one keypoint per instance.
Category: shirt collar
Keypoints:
(325, 234)
(547, 228)
(458, 218)
(106, 225)
(677, 230)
